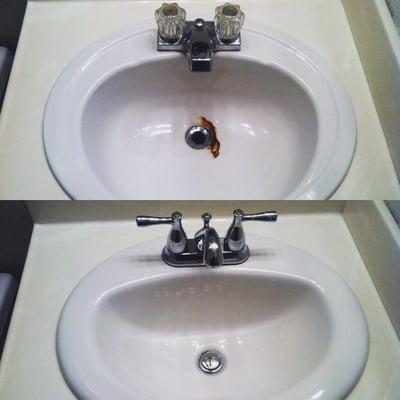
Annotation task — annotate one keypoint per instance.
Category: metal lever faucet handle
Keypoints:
(269, 216)
(177, 238)
(144, 220)
(235, 237)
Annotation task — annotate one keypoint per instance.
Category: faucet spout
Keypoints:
(209, 243)
(200, 57)
(200, 52)
(212, 249)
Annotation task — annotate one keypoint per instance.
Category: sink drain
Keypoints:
(198, 137)
(211, 362)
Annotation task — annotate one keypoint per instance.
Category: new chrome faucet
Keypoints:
(206, 249)
(199, 39)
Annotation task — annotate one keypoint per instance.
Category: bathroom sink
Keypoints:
(116, 119)
(283, 324)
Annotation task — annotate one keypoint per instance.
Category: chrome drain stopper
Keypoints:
(198, 137)
(211, 362)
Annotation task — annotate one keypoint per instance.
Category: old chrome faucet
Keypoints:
(206, 249)
(199, 39)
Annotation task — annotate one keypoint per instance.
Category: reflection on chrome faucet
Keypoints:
(206, 249)
(208, 241)
(199, 39)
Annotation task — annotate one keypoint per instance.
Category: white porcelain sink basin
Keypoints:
(115, 122)
(286, 325)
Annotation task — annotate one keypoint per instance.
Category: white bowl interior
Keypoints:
(273, 331)
(134, 124)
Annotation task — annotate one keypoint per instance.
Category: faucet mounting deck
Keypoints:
(199, 39)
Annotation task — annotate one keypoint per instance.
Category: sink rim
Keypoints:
(343, 358)
(318, 183)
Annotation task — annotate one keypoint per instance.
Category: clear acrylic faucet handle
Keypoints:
(171, 21)
(228, 22)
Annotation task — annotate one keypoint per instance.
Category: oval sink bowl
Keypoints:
(284, 325)
(116, 120)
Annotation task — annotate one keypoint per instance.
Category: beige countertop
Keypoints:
(55, 31)
(61, 254)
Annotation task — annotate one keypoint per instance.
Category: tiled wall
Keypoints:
(394, 7)
(377, 237)
(378, 45)
(394, 207)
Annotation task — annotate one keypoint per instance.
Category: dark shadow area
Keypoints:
(15, 234)
(11, 16)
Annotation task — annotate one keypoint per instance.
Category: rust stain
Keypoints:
(215, 144)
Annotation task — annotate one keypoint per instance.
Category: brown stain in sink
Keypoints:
(215, 144)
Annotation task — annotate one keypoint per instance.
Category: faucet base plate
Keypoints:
(199, 41)
(193, 257)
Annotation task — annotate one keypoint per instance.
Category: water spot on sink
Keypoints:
(215, 144)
